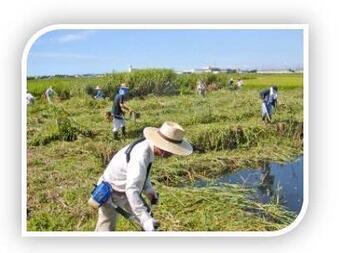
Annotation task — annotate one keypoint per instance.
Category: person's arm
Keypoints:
(123, 105)
(264, 94)
(275, 102)
(261, 95)
(136, 174)
(150, 192)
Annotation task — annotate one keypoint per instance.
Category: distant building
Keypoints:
(208, 69)
(279, 71)
(132, 69)
(216, 70)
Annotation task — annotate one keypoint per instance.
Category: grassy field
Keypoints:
(70, 142)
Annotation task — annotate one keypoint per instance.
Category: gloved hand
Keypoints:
(153, 197)
(150, 225)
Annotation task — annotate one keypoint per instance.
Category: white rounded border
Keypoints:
(297, 221)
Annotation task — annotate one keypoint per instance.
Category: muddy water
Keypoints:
(273, 182)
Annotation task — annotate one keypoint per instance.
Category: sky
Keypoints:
(85, 51)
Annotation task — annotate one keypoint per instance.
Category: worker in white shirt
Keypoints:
(269, 102)
(239, 83)
(49, 94)
(128, 176)
(29, 98)
(201, 88)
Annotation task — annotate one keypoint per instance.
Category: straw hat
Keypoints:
(123, 85)
(168, 137)
(97, 88)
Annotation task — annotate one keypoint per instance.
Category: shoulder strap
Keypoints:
(129, 149)
(147, 173)
(127, 153)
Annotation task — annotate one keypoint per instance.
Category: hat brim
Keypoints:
(152, 135)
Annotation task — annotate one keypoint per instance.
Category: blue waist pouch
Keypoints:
(101, 193)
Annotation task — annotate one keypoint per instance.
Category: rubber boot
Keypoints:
(123, 131)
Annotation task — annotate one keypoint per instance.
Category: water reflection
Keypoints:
(266, 184)
(272, 182)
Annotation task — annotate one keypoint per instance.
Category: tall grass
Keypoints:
(70, 143)
(158, 82)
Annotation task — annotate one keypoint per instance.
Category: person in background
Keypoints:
(119, 107)
(230, 84)
(127, 177)
(49, 94)
(239, 83)
(29, 98)
(99, 93)
(269, 102)
(201, 88)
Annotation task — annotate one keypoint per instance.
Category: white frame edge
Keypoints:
(296, 222)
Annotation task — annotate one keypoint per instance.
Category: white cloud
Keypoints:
(68, 56)
(74, 36)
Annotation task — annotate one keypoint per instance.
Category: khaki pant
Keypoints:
(117, 124)
(107, 214)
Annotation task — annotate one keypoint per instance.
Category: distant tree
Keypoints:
(231, 70)
(253, 71)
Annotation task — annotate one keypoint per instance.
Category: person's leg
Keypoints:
(106, 217)
(120, 199)
(264, 111)
(273, 107)
(270, 111)
(122, 126)
(115, 129)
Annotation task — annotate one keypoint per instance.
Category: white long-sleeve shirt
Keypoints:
(49, 92)
(130, 177)
(29, 98)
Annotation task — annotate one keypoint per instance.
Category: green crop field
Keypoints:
(70, 142)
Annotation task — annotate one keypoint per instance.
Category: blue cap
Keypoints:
(123, 91)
